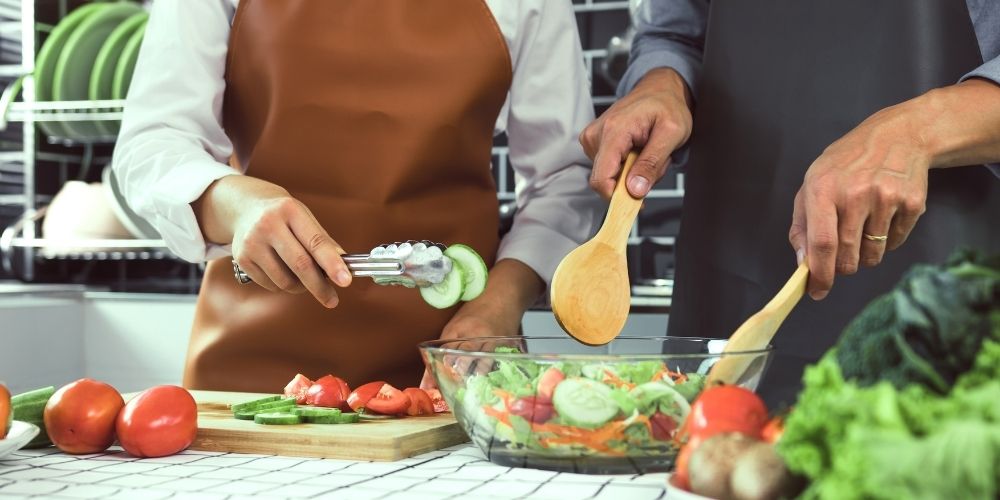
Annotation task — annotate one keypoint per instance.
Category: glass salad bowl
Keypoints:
(553, 403)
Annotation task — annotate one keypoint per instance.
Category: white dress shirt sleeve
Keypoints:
(172, 146)
(548, 106)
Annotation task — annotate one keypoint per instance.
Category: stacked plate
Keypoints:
(89, 55)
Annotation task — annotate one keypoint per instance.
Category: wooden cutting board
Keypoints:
(382, 440)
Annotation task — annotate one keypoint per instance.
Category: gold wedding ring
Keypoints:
(874, 238)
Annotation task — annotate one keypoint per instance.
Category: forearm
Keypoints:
(960, 124)
(514, 283)
(220, 205)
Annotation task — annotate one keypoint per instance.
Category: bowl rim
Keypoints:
(433, 347)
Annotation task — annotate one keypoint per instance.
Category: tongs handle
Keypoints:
(362, 265)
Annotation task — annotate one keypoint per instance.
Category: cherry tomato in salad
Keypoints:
(298, 387)
(80, 416)
(420, 402)
(359, 398)
(159, 422)
(388, 401)
(663, 426)
(548, 382)
(440, 405)
(533, 409)
(330, 392)
(726, 408)
(6, 415)
(773, 430)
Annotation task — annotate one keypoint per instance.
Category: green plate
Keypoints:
(76, 62)
(126, 64)
(103, 75)
(48, 56)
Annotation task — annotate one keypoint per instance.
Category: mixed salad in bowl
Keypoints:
(598, 411)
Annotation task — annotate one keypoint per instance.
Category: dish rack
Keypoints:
(34, 166)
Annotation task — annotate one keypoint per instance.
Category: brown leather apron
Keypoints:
(379, 116)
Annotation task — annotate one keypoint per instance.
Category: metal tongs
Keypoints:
(410, 264)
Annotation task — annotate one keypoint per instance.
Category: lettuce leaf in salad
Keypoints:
(691, 388)
(639, 372)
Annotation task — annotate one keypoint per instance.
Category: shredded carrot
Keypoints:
(660, 374)
(497, 414)
(613, 379)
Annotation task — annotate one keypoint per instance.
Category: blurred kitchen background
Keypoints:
(90, 289)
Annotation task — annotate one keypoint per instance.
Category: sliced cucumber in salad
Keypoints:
(465, 282)
(584, 403)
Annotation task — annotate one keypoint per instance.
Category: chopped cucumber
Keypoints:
(348, 418)
(280, 404)
(240, 407)
(473, 269)
(584, 403)
(446, 293)
(277, 418)
(333, 418)
(311, 411)
(245, 415)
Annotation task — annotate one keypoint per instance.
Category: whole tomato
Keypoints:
(80, 416)
(159, 422)
(6, 414)
(726, 408)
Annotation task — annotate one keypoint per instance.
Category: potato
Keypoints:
(761, 474)
(712, 463)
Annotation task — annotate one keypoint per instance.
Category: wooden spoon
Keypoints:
(590, 292)
(756, 332)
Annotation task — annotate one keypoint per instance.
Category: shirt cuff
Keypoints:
(648, 61)
(988, 71)
(538, 247)
(174, 218)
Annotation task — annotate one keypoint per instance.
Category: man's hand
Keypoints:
(872, 183)
(276, 239)
(655, 116)
(512, 288)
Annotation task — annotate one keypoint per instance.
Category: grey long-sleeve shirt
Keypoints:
(671, 33)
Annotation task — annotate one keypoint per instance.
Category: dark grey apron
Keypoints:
(782, 80)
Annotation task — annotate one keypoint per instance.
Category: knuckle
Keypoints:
(317, 241)
(301, 263)
(285, 283)
(649, 163)
(824, 244)
(871, 261)
(847, 266)
(914, 205)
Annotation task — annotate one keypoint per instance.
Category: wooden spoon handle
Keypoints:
(622, 212)
(756, 332)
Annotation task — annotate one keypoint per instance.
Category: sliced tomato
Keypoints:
(663, 426)
(298, 388)
(330, 392)
(440, 405)
(726, 408)
(547, 384)
(420, 402)
(360, 397)
(388, 401)
(534, 409)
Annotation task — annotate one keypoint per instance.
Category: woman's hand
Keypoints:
(865, 193)
(655, 116)
(512, 288)
(276, 240)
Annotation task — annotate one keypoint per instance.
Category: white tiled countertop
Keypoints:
(458, 472)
